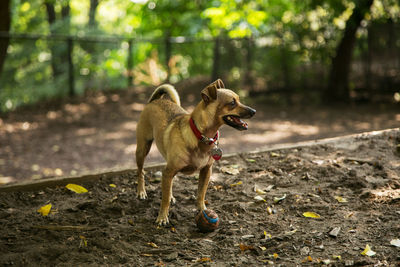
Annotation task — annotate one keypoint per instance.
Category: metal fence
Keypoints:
(259, 66)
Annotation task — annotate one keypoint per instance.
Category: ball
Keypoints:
(207, 221)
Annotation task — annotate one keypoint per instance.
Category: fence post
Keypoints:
(249, 62)
(168, 48)
(216, 60)
(71, 80)
(130, 63)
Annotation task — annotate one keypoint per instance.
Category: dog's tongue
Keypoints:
(240, 122)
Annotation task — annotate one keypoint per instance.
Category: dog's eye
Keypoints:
(232, 103)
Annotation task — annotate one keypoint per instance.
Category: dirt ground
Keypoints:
(261, 199)
(97, 132)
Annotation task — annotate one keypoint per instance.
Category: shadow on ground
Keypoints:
(98, 132)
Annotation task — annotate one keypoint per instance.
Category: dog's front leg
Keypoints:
(204, 178)
(166, 186)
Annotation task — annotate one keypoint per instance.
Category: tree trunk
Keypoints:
(5, 24)
(59, 51)
(338, 86)
(92, 14)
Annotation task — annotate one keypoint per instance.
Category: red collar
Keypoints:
(202, 138)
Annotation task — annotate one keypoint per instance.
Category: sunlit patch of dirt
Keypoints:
(93, 132)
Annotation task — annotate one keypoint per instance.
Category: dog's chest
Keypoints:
(197, 160)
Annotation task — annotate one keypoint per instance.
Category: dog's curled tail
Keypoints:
(166, 89)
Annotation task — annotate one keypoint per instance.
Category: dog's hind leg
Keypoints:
(142, 149)
(166, 186)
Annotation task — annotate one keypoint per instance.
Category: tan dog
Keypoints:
(183, 139)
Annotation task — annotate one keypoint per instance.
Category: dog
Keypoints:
(187, 141)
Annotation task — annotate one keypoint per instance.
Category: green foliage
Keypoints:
(288, 36)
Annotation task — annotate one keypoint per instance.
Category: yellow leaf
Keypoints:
(266, 235)
(337, 257)
(260, 192)
(112, 185)
(275, 255)
(368, 251)
(236, 184)
(269, 210)
(259, 198)
(278, 199)
(151, 244)
(45, 210)
(340, 199)
(205, 259)
(310, 214)
(76, 188)
(274, 155)
(263, 248)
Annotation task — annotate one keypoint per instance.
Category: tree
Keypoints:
(60, 25)
(92, 14)
(5, 23)
(338, 84)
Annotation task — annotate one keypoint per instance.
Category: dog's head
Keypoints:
(225, 106)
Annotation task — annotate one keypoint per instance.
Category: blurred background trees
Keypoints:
(312, 51)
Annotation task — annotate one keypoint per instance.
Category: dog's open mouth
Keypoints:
(235, 122)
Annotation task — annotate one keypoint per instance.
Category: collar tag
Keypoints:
(216, 153)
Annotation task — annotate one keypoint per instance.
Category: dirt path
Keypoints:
(98, 132)
(262, 199)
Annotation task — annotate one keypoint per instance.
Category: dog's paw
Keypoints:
(162, 220)
(142, 194)
(173, 200)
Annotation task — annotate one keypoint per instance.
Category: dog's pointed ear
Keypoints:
(209, 93)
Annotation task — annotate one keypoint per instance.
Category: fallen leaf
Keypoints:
(259, 198)
(244, 247)
(146, 255)
(279, 199)
(232, 170)
(291, 232)
(266, 235)
(151, 244)
(275, 255)
(274, 155)
(395, 242)
(45, 210)
(368, 251)
(336, 257)
(259, 190)
(340, 199)
(263, 248)
(205, 259)
(112, 185)
(310, 214)
(251, 160)
(236, 184)
(76, 188)
(318, 161)
(269, 210)
(326, 261)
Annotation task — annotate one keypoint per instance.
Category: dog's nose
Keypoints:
(252, 111)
